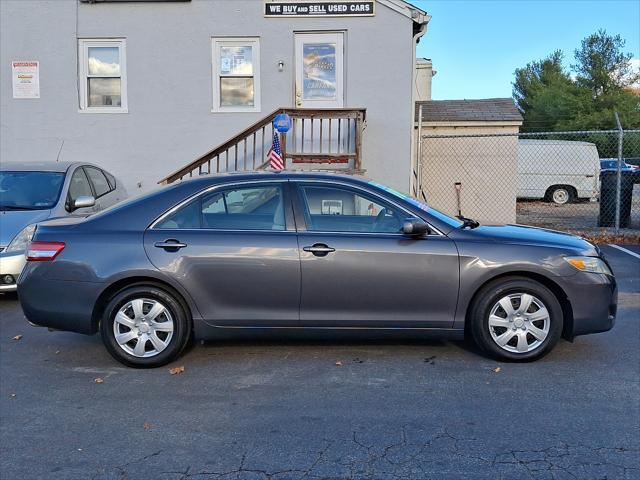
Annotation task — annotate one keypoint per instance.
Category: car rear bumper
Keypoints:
(58, 304)
(10, 264)
(594, 303)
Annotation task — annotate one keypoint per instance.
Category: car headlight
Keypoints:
(22, 239)
(589, 264)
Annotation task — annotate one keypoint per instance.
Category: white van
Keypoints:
(558, 171)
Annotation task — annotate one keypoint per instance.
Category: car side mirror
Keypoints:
(415, 227)
(84, 201)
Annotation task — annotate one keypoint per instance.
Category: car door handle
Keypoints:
(319, 249)
(170, 245)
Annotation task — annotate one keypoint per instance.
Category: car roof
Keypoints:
(283, 174)
(37, 166)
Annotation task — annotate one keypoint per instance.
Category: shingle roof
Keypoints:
(484, 110)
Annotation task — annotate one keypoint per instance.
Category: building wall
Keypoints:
(486, 167)
(424, 80)
(169, 120)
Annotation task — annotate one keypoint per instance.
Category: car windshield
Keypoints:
(452, 222)
(29, 190)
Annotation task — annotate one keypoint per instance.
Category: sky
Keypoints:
(476, 45)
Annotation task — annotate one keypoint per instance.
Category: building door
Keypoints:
(319, 59)
(319, 70)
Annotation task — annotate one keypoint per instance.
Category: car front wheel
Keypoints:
(144, 326)
(516, 319)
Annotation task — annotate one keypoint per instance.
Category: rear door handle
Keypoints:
(170, 245)
(319, 249)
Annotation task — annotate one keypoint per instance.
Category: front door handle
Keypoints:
(319, 249)
(170, 245)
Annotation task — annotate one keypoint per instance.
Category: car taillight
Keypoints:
(43, 251)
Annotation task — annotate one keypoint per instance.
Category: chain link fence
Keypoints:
(562, 180)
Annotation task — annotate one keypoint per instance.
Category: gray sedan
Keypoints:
(31, 192)
(307, 250)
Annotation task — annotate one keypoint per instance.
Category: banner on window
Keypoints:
(319, 9)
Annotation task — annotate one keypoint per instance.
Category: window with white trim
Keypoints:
(103, 75)
(236, 74)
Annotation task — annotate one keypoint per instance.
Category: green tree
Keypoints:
(538, 76)
(601, 64)
(551, 99)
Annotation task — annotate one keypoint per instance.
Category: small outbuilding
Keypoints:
(467, 155)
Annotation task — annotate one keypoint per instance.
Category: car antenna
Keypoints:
(59, 151)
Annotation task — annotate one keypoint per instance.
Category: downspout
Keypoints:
(422, 21)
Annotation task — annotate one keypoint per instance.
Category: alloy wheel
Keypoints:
(143, 327)
(519, 323)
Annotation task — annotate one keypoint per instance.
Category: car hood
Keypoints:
(526, 235)
(12, 221)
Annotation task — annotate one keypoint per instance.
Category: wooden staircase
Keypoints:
(327, 139)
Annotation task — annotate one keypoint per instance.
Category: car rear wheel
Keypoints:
(144, 326)
(516, 319)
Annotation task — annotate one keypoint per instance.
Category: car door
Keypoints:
(234, 249)
(79, 186)
(359, 270)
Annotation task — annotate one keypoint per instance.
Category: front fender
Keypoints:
(482, 262)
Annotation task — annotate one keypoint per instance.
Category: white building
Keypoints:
(145, 87)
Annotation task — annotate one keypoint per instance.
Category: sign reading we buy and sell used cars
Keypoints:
(318, 9)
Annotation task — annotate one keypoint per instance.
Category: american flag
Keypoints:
(275, 154)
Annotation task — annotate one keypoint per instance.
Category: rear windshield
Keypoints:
(30, 190)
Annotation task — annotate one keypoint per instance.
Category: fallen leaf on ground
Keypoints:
(176, 370)
(497, 370)
(339, 363)
(98, 380)
(147, 426)
(17, 337)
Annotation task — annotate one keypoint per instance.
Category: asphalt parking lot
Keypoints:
(323, 407)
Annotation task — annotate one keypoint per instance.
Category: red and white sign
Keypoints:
(26, 79)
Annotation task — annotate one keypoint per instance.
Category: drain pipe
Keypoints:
(422, 21)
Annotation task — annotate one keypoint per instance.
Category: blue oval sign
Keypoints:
(282, 122)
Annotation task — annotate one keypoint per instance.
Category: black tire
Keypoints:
(490, 295)
(181, 333)
(562, 191)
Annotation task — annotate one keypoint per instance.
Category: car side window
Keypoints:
(78, 186)
(337, 209)
(99, 181)
(240, 208)
(187, 216)
(111, 179)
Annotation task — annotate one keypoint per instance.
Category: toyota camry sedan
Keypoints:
(307, 250)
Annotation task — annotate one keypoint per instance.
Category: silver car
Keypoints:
(33, 192)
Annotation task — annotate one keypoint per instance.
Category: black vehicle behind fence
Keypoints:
(307, 250)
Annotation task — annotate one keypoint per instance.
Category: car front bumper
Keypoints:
(11, 264)
(594, 303)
